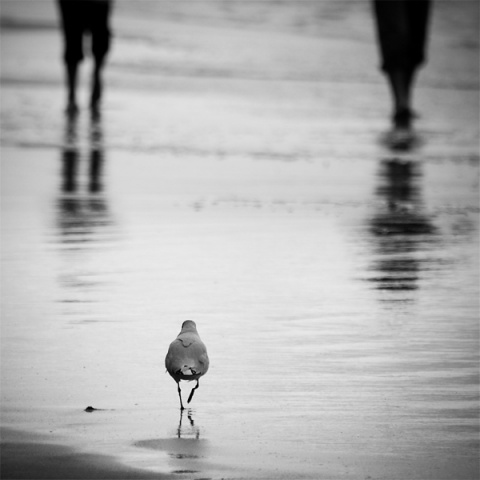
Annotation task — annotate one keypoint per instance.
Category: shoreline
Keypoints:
(27, 456)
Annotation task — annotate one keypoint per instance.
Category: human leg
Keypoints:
(72, 69)
(401, 82)
(401, 32)
(402, 75)
(72, 26)
(100, 31)
(392, 24)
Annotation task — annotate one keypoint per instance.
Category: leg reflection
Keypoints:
(82, 207)
(96, 156)
(190, 431)
(401, 229)
(70, 167)
(70, 156)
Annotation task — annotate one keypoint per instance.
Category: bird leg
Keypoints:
(193, 391)
(180, 396)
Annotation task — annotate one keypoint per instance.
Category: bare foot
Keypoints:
(402, 137)
(72, 109)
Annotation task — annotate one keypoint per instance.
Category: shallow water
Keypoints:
(334, 283)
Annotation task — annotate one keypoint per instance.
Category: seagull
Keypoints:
(187, 358)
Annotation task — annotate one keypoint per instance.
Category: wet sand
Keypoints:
(334, 282)
(28, 456)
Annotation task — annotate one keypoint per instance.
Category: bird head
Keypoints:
(189, 326)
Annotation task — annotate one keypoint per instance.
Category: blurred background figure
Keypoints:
(402, 34)
(79, 18)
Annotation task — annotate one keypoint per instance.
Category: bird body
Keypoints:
(187, 358)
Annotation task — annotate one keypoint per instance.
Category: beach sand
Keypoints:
(28, 456)
(335, 283)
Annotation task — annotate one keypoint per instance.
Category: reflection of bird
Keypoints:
(187, 358)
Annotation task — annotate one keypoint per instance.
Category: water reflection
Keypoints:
(83, 215)
(190, 430)
(82, 206)
(400, 227)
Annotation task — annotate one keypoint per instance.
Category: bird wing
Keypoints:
(198, 351)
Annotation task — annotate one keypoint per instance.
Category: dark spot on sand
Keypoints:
(183, 455)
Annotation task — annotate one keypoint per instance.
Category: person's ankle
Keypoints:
(95, 110)
(72, 108)
(402, 118)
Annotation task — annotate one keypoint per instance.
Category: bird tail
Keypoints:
(187, 370)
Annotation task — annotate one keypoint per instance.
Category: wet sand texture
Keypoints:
(48, 462)
(334, 282)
